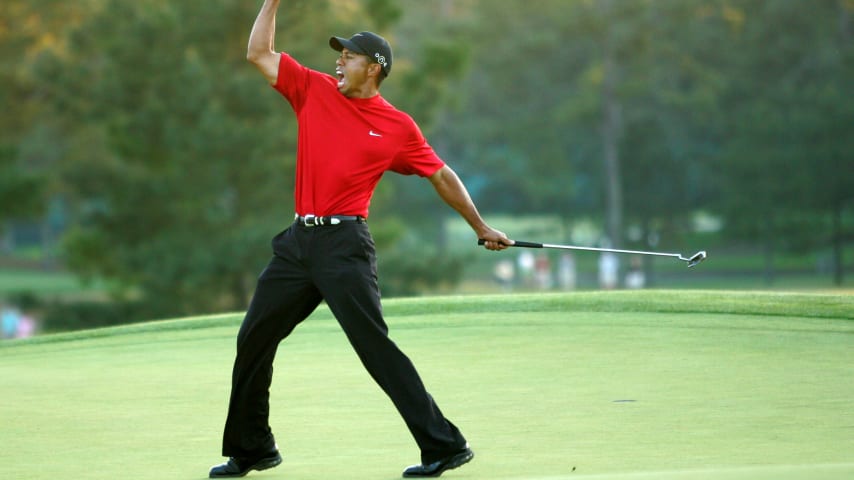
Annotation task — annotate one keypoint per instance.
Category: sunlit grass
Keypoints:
(616, 385)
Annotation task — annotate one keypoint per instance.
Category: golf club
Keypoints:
(692, 260)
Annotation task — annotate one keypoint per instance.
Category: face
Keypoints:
(354, 73)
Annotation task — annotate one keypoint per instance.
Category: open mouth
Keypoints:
(340, 75)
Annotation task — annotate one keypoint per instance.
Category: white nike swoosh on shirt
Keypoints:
(371, 133)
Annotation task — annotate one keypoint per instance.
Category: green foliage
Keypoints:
(180, 158)
(738, 109)
(174, 160)
(21, 191)
(787, 161)
(63, 317)
(175, 179)
(384, 13)
(177, 159)
(405, 274)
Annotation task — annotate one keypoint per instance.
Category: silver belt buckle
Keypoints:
(310, 220)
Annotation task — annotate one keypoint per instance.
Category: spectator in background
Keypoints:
(505, 274)
(543, 269)
(26, 326)
(566, 272)
(526, 265)
(635, 277)
(11, 318)
(608, 267)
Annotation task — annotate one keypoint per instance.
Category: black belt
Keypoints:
(315, 221)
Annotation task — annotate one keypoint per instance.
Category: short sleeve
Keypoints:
(416, 157)
(293, 81)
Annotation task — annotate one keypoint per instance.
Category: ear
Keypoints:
(375, 69)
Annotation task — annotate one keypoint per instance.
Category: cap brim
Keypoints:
(338, 44)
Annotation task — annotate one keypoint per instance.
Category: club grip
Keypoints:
(518, 243)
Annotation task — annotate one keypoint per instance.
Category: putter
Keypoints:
(692, 260)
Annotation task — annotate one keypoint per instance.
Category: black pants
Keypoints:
(336, 264)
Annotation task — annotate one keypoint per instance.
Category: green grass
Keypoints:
(596, 385)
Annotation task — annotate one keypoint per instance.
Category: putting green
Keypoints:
(778, 472)
(666, 385)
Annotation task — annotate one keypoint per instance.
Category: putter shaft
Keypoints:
(692, 260)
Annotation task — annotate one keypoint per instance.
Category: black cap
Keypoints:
(366, 43)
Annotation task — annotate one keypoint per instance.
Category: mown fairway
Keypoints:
(621, 385)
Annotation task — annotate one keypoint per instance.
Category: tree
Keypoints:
(21, 192)
(602, 109)
(25, 33)
(788, 156)
(179, 158)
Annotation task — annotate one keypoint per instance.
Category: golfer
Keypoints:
(349, 135)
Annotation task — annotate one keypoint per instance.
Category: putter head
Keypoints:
(696, 258)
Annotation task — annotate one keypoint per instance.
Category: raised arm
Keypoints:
(454, 193)
(260, 51)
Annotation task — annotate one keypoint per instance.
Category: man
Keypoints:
(348, 136)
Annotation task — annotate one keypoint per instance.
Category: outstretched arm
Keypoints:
(260, 51)
(454, 193)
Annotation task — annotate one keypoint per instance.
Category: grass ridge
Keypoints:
(782, 304)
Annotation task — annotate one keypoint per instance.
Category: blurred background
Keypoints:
(145, 165)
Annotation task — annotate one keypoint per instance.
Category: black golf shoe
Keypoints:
(240, 466)
(436, 468)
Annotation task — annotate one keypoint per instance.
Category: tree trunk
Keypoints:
(611, 127)
(768, 252)
(652, 245)
(837, 235)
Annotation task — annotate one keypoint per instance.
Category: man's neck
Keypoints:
(364, 93)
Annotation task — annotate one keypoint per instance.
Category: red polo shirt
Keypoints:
(346, 144)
